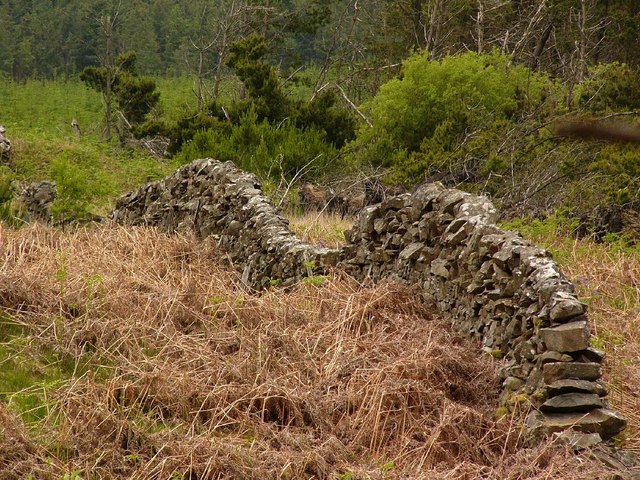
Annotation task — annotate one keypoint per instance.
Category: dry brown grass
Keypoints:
(192, 377)
(322, 228)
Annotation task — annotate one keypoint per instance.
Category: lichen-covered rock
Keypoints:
(5, 144)
(35, 201)
(565, 306)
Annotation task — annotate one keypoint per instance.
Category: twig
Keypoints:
(357, 110)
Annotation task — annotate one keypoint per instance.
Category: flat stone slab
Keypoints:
(567, 338)
(602, 421)
(569, 385)
(562, 370)
(572, 402)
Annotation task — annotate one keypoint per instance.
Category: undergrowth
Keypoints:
(155, 362)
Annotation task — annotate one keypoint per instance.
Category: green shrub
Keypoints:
(618, 167)
(423, 118)
(6, 194)
(267, 150)
(610, 87)
(73, 192)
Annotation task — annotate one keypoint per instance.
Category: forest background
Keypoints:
(467, 92)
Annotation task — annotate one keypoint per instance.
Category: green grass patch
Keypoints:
(38, 117)
(30, 371)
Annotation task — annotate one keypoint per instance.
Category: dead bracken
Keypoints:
(173, 370)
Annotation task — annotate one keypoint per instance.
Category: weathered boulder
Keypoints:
(5, 144)
(35, 201)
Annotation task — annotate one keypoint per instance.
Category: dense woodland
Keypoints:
(468, 92)
(53, 39)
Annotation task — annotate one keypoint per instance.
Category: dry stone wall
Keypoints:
(490, 283)
(214, 198)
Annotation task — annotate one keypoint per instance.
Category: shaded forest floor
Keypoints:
(130, 354)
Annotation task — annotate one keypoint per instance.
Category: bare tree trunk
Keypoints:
(217, 76)
(436, 19)
(265, 18)
(107, 25)
(581, 68)
(480, 26)
(542, 41)
(200, 79)
(229, 27)
(417, 21)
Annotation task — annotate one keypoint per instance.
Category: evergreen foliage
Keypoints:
(260, 79)
(611, 87)
(271, 151)
(134, 96)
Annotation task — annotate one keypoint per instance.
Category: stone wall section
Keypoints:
(213, 198)
(5, 145)
(490, 283)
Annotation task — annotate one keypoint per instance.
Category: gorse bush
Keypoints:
(421, 119)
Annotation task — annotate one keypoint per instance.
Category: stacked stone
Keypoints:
(490, 283)
(5, 144)
(218, 199)
(35, 201)
(495, 287)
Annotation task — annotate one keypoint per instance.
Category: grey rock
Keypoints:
(512, 383)
(572, 402)
(439, 268)
(411, 251)
(380, 226)
(569, 385)
(591, 355)
(602, 421)
(570, 337)
(552, 356)
(36, 199)
(565, 306)
(563, 370)
(578, 441)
